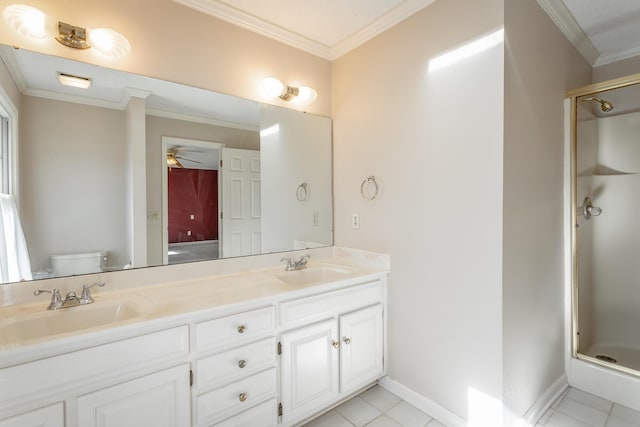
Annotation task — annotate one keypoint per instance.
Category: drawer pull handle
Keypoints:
(242, 329)
(347, 340)
(336, 344)
(243, 397)
(242, 363)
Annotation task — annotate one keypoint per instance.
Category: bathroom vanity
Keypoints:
(256, 347)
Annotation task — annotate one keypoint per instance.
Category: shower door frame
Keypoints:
(586, 372)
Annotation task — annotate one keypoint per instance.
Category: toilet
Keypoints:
(79, 263)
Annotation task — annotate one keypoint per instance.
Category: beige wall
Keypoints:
(156, 128)
(175, 43)
(540, 65)
(72, 180)
(434, 143)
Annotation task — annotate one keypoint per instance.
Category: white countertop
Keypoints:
(164, 303)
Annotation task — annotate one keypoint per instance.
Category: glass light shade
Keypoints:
(108, 42)
(306, 95)
(271, 88)
(29, 21)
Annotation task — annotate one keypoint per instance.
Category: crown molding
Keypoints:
(204, 120)
(380, 25)
(255, 24)
(72, 98)
(617, 55)
(563, 19)
(9, 59)
(252, 23)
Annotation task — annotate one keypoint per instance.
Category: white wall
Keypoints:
(299, 151)
(540, 66)
(434, 142)
(72, 178)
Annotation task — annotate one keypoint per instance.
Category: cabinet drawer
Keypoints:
(245, 360)
(235, 397)
(222, 331)
(263, 415)
(92, 364)
(49, 416)
(319, 307)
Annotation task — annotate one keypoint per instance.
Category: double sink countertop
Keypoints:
(28, 329)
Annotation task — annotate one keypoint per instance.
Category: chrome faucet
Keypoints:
(296, 265)
(71, 299)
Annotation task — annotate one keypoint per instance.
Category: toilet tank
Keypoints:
(80, 263)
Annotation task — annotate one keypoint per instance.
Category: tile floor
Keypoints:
(576, 408)
(377, 407)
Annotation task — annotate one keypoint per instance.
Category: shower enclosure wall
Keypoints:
(604, 234)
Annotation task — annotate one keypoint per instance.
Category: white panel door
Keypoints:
(361, 347)
(241, 208)
(309, 369)
(160, 400)
(49, 416)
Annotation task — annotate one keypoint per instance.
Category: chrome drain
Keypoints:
(606, 358)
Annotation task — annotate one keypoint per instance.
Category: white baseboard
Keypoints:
(428, 406)
(544, 402)
(448, 418)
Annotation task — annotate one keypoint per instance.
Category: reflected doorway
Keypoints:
(191, 200)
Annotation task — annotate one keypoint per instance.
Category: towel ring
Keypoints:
(369, 182)
(302, 192)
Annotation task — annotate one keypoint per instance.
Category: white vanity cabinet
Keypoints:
(50, 416)
(235, 371)
(117, 383)
(161, 400)
(329, 359)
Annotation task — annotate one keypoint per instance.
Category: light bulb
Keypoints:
(306, 95)
(29, 21)
(271, 87)
(108, 42)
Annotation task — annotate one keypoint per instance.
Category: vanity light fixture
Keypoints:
(274, 88)
(33, 23)
(74, 81)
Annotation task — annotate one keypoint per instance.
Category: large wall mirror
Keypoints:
(138, 172)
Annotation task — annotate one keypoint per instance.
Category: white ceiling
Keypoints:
(326, 28)
(603, 31)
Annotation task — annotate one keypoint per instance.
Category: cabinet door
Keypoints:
(309, 369)
(50, 416)
(361, 347)
(160, 400)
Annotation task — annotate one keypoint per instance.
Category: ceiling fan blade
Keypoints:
(188, 160)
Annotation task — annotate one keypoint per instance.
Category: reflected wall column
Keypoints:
(136, 184)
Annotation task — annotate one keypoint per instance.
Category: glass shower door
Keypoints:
(607, 203)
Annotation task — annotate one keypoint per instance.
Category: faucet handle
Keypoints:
(290, 264)
(56, 298)
(85, 297)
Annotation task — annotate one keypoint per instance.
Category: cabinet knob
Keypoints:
(242, 329)
(336, 344)
(242, 363)
(347, 340)
(243, 397)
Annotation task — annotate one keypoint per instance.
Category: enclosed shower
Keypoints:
(605, 235)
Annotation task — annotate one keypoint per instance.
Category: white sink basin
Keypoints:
(54, 322)
(314, 274)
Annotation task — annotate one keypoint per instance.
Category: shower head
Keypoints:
(605, 106)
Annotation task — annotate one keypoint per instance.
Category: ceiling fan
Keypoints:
(173, 159)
